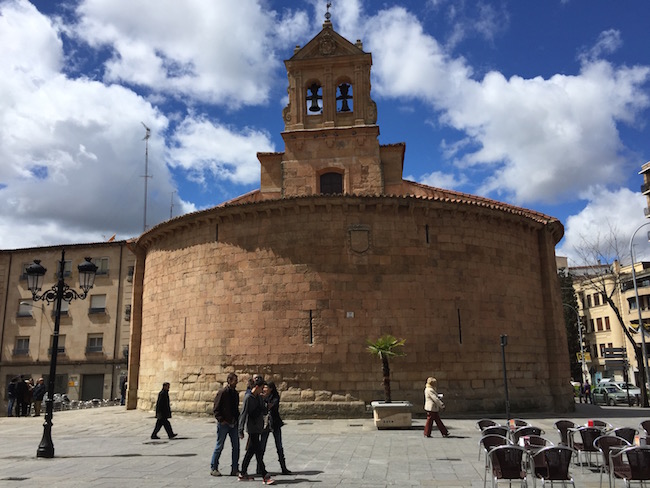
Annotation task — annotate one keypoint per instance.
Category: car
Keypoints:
(609, 394)
(635, 391)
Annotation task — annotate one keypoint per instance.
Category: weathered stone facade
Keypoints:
(290, 281)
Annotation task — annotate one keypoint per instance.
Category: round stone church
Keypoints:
(335, 249)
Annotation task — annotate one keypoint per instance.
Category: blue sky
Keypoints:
(538, 104)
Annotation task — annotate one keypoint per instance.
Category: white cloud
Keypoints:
(71, 149)
(608, 213)
(219, 53)
(608, 42)
(543, 139)
(200, 146)
(439, 179)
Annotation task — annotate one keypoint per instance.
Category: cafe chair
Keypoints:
(585, 446)
(563, 427)
(627, 433)
(601, 424)
(485, 423)
(486, 444)
(508, 463)
(605, 444)
(637, 468)
(523, 431)
(552, 464)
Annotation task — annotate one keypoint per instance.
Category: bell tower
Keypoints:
(330, 125)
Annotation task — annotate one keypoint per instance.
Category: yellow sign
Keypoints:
(587, 357)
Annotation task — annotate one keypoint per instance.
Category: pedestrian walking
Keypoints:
(273, 407)
(163, 413)
(433, 405)
(252, 420)
(587, 391)
(226, 411)
(22, 392)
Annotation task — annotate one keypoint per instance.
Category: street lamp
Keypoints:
(644, 390)
(504, 343)
(59, 292)
(582, 347)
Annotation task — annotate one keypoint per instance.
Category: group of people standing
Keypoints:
(22, 393)
(260, 416)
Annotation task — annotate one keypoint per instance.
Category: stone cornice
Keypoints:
(243, 210)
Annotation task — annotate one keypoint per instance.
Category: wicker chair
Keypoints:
(604, 444)
(586, 443)
(637, 467)
(627, 433)
(523, 431)
(486, 444)
(563, 427)
(552, 464)
(508, 463)
(485, 423)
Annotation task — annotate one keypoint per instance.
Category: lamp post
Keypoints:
(59, 292)
(582, 347)
(644, 390)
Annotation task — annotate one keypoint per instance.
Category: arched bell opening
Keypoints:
(314, 98)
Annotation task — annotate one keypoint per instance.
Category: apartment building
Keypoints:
(93, 344)
(601, 326)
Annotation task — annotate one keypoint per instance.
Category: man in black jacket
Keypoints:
(38, 394)
(163, 413)
(252, 418)
(226, 411)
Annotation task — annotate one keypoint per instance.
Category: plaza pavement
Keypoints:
(110, 447)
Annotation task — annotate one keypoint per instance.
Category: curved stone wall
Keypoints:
(292, 288)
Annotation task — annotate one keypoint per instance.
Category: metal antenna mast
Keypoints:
(146, 172)
(171, 205)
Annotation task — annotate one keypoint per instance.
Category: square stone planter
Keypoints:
(393, 415)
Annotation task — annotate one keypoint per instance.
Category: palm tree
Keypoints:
(386, 347)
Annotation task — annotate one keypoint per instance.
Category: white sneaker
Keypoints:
(215, 472)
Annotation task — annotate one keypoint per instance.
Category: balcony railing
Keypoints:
(94, 349)
(60, 350)
(21, 352)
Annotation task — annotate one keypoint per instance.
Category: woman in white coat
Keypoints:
(433, 405)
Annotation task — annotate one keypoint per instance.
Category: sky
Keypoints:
(543, 105)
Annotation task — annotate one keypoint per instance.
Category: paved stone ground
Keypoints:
(110, 447)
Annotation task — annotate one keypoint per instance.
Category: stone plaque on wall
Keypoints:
(359, 237)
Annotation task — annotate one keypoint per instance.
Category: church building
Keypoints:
(334, 249)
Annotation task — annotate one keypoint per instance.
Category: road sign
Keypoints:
(587, 357)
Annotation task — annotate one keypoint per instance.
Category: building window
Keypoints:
(23, 273)
(595, 353)
(596, 299)
(102, 265)
(344, 98)
(314, 99)
(25, 308)
(95, 343)
(592, 328)
(21, 348)
(60, 348)
(602, 350)
(97, 304)
(331, 183)
(127, 313)
(607, 326)
(599, 322)
(588, 301)
(129, 273)
(67, 268)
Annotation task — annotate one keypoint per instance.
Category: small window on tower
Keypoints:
(344, 98)
(331, 183)
(314, 99)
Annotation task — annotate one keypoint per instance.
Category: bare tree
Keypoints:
(603, 275)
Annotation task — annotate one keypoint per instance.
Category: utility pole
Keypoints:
(146, 172)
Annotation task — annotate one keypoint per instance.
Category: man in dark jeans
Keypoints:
(252, 418)
(226, 411)
(11, 396)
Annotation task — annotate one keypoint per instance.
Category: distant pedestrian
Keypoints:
(252, 419)
(22, 393)
(123, 385)
(433, 405)
(226, 411)
(586, 389)
(38, 393)
(163, 413)
(273, 406)
(11, 396)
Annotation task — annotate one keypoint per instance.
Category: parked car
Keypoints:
(609, 394)
(635, 391)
